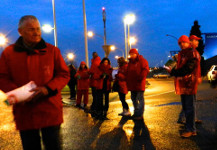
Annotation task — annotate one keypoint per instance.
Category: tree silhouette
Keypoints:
(195, 30)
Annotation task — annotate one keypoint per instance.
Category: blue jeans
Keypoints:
(188, 105)
(138, 102)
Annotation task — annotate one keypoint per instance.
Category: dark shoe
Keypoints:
(180, 122)
(72, 98)
(78, 105)
(198, 121)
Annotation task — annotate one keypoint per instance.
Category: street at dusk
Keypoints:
(159, 129)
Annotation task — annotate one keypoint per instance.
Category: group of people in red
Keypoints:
(40, 117)
(130, 77)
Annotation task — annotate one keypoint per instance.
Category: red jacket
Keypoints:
(188, 84)
(102, 69)
(46, 67)
(122, 79)
(137, 71)
(83, 82)
(94, 64)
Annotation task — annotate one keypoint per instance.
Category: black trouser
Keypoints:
(122, 97)
(72, 90)
(31, 139)
(94, 94)
(100, 106)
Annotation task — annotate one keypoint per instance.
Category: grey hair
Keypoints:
(25, 18)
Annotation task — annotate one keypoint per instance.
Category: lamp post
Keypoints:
(175, 51)
(128, 20)
(55, 26)
(104, 22)
(85, 34)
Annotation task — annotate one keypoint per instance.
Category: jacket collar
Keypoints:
(39, 47)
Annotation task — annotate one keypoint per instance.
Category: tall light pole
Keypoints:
(55, 26)
(85, 34)
(104, 22)
(125, 39)
(128, 20)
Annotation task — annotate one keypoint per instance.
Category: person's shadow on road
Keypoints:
(140, 138)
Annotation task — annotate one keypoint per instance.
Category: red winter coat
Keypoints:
(102, 69)
(188, 84)
(83, 82)
(45, 67)
(94, 64)
(137, 71)
(121, 77)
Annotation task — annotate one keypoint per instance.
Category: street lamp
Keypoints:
(70, 57)
(113, 48)
(132, 40)
(128, 20)
(3, 40)
(47, 28)
(116, 57)
(91, 34)
(176, 51)
(172, 36)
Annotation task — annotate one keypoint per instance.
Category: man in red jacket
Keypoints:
(186, 82)
(32, 59)
(95, 62)
(137, 71)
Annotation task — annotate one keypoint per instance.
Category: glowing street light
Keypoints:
(116, 57)
(91, 34)
(132, 40)
(70, 56)
(129, 19)
(3, 40)
(47, 28)
(112, 47)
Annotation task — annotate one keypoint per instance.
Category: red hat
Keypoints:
(183, 38)
(83, 63)
(194, 37)
(133, 50)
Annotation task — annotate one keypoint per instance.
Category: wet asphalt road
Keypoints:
(159, 129)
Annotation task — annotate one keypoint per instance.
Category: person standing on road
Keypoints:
(72, 82)
(82, 76)
(137, 72)
(121, 78)
(186, 82)
(32, 59)
(95, 62)
(103, 75)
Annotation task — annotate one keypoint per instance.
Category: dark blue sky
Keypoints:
(154, 19)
